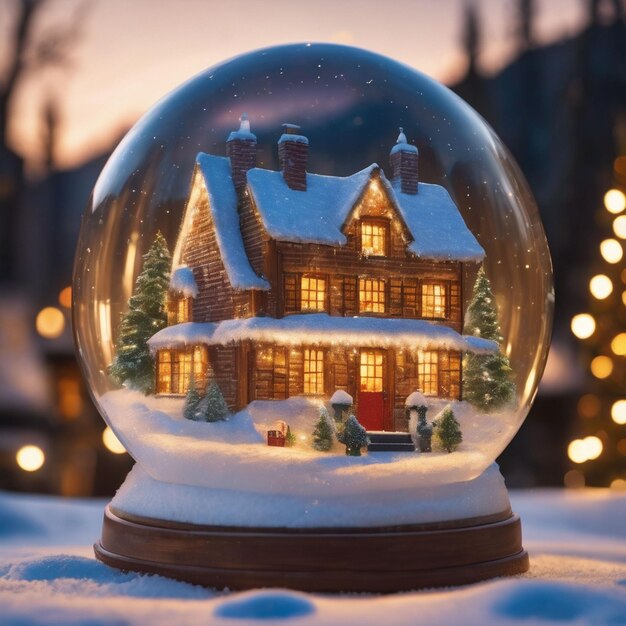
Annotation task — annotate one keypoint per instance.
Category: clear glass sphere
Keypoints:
(299, 268)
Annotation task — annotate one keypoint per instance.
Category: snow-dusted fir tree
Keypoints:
(212, 406)
(133, 365)
(192, 400)
(290, 438)
(353, 436)
(448, 430)
(323, 432)
(487, 378)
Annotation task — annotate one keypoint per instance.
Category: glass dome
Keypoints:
(302, 248)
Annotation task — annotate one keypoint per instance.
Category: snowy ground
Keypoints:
(577, 543)
(233, 454)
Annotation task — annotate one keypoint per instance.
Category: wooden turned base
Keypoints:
(399, 558)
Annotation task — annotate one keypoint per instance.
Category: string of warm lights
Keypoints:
(599, 329)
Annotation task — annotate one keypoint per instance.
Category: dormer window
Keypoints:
(374, 235)
(179, 309)
(312, 293)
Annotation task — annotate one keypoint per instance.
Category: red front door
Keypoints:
(371, 391)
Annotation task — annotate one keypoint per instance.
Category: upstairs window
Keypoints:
(374, 238)
(312, 293)
(433, 300)
(371, 295)
(178, 309)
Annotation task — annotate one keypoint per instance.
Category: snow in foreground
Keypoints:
(233, 454)
(576, 541)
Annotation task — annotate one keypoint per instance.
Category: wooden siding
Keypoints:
(216, 299)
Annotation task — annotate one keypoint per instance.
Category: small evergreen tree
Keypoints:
(353, 436)
(448, 431)
(212, 407)
(323, 432)
(133, 365)
(487, 378)
(290, 438)
(192, 400)
(424, 430)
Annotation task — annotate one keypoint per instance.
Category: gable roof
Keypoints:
(318, 214)
(223, 206)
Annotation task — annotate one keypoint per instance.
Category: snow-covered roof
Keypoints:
(318, 214)
(322, 329)
(223, 207)
(183, 280)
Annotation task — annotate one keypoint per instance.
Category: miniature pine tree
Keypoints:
(487, 378)
(192, 399)
(290, 438)
(353, 436)
(424, 430)
(133, 365)
(323, 432)
(212, 407)
(448, 431)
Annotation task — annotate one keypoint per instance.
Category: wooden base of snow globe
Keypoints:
(452, 535)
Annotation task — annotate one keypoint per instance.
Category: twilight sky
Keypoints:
(132, 52)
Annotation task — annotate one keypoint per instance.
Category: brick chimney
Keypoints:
(404, 159)
(241, 149)
(293, 152)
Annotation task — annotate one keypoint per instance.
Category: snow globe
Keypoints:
(313, 300)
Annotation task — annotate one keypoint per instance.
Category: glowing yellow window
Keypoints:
(428, 372)
(371, 370)
(312, 293)
(314, 371)
(373, 238)
(183, 310)
(371, 295)
(433, 300)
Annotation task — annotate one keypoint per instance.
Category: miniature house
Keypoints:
(287, 283)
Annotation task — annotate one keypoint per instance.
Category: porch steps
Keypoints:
(390, 442)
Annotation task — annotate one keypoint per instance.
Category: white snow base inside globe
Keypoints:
(145, 497)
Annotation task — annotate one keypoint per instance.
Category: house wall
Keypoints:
(216, 299)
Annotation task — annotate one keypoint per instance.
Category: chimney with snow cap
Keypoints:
(404, 162)
(293, 152)
(241, 149)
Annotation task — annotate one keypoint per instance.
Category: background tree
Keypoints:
(323, 432)
(487, 381)
(133, 365)
(448, 431)
(353, 436)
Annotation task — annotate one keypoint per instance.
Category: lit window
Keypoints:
(373, 238)
(314, 371)
(175, 367)
(312, 293)
(433, 300)
(371, 370)
(371, 295)
(183, 310)
(428, 372)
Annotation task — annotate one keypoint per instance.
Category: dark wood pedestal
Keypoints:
(383, 560)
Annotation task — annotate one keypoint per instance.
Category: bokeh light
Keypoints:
(618, 345)
(574, 479)
(583, 325)
(589, 405)
(65, 298)
(602, 366)
(611, 250)
(618, 412)
(619, 226)
(50, 322)
(614, 201)
(587, 449)
(30, 458)
(600, 286)
(111, 442)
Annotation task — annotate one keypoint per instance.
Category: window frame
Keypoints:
(320, 358)
(445, 297)
(382, 223)
(383, 291)
(300, 290)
